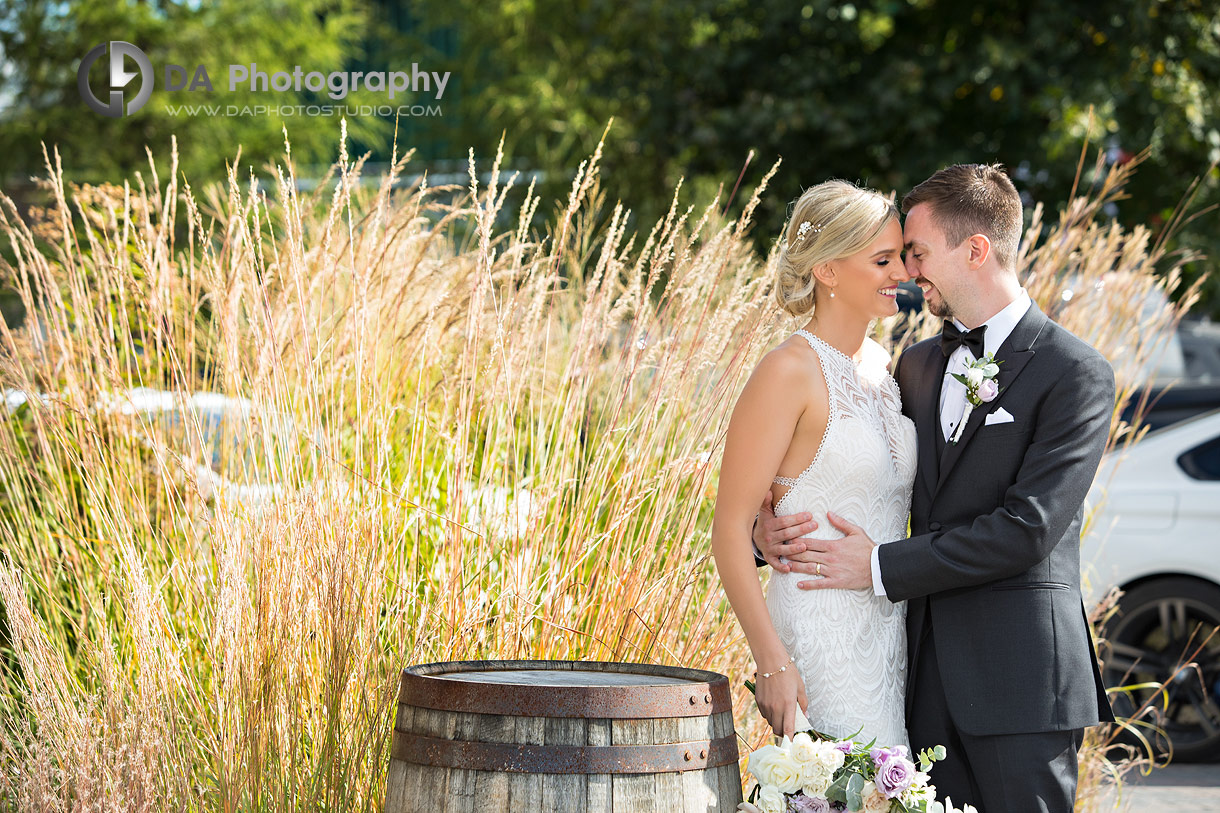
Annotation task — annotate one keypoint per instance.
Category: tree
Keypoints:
(43, 43)
(882, 92)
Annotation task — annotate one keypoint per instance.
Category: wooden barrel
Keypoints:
(562, 736)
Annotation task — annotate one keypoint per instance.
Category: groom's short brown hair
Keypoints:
(968, 199)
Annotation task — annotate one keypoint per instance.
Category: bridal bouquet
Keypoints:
(814, 773)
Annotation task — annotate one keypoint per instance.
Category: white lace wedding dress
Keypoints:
(850, 645)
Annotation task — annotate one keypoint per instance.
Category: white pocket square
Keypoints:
(1001, 415)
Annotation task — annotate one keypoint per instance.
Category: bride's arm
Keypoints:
(759, 433)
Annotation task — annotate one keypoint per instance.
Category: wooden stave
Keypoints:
(451, 790)
(431, 789)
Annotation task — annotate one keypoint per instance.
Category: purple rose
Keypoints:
(844, 746)
(808, 804)
(894, 776)
(988, 390)
(880, 756)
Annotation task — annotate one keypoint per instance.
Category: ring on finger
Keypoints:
(818, 570)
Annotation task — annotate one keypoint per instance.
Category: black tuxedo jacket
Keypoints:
(992, 566)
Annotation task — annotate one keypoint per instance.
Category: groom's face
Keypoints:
(933, 265)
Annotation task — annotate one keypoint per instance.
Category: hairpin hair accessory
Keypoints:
(806, 227)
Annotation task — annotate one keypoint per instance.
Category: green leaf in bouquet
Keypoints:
(852, 736)
(854, 786)
(818, 735)
(929, 755)
(837, 791)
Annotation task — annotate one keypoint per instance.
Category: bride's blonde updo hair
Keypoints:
(829, 221)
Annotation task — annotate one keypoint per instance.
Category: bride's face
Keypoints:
(867, 281)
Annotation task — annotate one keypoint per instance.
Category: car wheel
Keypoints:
(1159, 625)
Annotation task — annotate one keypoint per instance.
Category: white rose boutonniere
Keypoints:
(981, 387)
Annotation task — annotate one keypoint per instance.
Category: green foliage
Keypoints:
(929, 755)
(880, 92)
(854, 787)
(884, 93)
(43, 43)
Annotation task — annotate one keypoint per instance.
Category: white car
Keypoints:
(1156, 535)
(165, 417)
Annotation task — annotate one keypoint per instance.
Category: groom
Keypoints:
(1002, 670)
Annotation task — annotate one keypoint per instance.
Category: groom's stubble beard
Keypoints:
(941, 309)
(937, 307)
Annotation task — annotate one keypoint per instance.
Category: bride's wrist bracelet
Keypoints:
(783, 668)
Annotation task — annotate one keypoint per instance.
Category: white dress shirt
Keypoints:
(953, 392)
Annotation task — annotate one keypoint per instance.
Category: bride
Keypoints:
(822, 411)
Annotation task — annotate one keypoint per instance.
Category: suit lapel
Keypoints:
(1013, 355)
(927, 416)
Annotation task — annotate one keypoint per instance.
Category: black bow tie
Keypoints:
(951, 338)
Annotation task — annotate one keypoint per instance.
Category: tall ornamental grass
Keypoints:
(262, 449)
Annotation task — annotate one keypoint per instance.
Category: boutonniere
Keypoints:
(981, 387)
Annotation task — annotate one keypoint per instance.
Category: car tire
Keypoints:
(1157, 624)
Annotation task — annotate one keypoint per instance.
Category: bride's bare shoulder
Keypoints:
(790, 365)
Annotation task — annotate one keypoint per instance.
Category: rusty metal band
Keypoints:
(591, 759)
(422, 689)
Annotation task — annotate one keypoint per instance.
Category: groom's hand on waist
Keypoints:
(778, 539)
(845, 563)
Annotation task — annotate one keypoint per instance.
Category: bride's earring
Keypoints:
(832, 294)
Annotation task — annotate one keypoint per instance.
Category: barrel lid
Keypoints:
(565, 689)
(560, 677)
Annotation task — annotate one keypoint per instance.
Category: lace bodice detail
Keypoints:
(865, 411)
(850, 645)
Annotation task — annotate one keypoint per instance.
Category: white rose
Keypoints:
(830, 757)
(770, 800)
(772, 765)
(758, 762)
(974, 376)
(874, 801)
(815, 780)
(785, 773)
(803, 750)
(818, 772)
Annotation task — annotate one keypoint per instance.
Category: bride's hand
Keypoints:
(778, 697)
